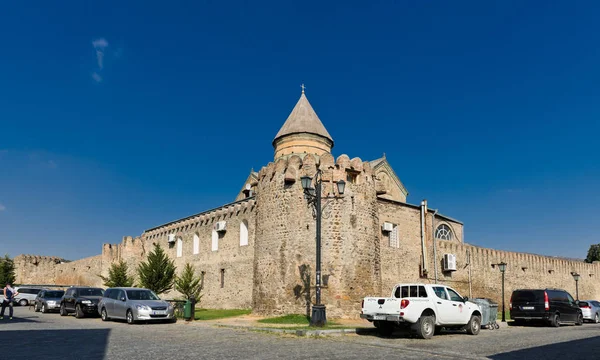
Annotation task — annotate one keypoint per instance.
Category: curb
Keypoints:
(305, 333)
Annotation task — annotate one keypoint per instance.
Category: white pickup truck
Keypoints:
(425, 308)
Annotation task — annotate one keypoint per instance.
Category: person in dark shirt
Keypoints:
(9, 296)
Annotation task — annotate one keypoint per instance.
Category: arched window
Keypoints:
(244, 233)
(215, 240)
(196, 249)
(179, 247)
(443, 232)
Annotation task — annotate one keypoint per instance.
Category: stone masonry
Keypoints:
(264, 258)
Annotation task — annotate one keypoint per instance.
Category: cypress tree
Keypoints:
(158, 272)
(188, 283)
(117, 276)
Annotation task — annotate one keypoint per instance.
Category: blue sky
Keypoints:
(119, 116)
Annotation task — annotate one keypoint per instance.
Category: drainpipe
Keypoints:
(424, 256)
(435, 260)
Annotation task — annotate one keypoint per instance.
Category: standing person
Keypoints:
(9, 296)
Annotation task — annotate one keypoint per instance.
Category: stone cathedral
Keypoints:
(259, 250)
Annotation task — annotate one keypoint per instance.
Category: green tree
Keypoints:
(158, 272)
(117, 276)
(188, 283)
(7, 271)
(593, 253)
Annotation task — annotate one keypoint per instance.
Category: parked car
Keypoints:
(590, 310)
(134, 304)
(554, 306)
(424, 308)
(80, 300)
(26, 295)
(48, 300)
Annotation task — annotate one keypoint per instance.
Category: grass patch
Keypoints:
(212, 314)
(326, 327)
(292, 319)
(506, 315)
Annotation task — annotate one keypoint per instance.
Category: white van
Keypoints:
(26, 295)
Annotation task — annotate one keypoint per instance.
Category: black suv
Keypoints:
(81, 300)
(554, 306)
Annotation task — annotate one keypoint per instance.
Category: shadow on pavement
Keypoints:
(89, 344)
(588, 348)
(20, 319)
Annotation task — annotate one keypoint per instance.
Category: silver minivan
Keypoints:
(134, 304)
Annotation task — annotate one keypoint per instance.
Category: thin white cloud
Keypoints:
(2, 207)
(96, 77)
(100, 45)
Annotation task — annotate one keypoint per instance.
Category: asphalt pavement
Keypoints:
(49, 336)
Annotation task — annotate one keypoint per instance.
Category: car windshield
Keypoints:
(54, 294)
(90, 292)
(141, 295)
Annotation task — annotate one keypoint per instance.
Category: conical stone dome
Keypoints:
(302, 133)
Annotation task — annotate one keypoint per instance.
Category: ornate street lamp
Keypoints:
(313, 196)
(502, 267)
(576, 277)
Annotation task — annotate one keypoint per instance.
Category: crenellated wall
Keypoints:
(233, 291)
(275, 272)
(522, 271)
(228, 271)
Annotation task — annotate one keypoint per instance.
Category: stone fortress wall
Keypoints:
(274, 272)
(265, 257)
(230, 265)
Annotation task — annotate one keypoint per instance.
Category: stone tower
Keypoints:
(284, 265)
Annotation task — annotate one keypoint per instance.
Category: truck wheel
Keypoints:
(426, 327)
(385, 328)
(474, 325)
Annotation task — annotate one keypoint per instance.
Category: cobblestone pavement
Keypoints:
(50, 336)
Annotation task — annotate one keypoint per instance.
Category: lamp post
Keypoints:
(502, 267)
(576, 277)
(313, 196)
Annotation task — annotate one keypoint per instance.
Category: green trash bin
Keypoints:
(187, 310)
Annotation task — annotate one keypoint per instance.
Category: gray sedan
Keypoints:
(48, 300)
(134, 304)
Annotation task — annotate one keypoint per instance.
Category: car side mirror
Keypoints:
(465, 299)
(123, 298)
(576, 302)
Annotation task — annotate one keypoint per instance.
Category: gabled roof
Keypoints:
(382, 162)
(251, 179)
(303, 119)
